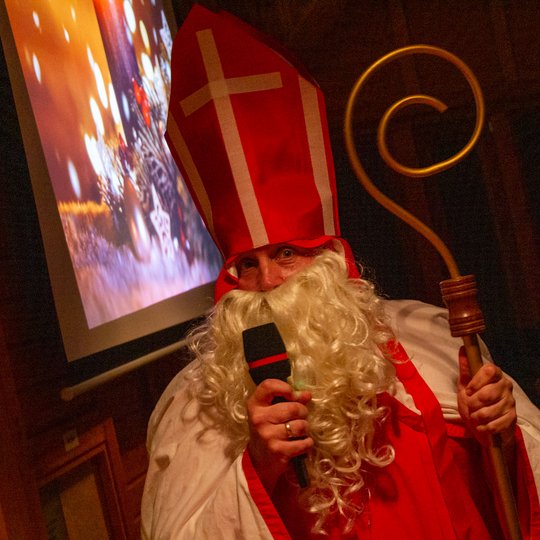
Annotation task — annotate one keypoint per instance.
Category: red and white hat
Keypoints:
(248, 131)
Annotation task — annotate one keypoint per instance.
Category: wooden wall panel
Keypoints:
(522, 23)
(19, 502)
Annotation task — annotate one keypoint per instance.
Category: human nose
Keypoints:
(270, 275)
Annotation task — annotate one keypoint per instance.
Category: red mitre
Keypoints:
(248, 131)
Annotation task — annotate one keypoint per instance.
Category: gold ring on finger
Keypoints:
(288, 430)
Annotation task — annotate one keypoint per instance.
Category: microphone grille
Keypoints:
(262, 341)
(265, 353)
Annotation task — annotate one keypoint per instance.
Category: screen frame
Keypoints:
(79, 340)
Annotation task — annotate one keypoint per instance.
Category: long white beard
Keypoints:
(334, 330)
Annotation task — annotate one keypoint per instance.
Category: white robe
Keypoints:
(194, 490)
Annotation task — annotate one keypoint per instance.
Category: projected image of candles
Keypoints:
(98, 78)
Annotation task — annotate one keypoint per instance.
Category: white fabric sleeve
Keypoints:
(193, 488)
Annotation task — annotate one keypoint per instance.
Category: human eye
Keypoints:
(245, 265)
(286, 253)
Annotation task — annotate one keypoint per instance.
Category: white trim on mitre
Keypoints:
(317, 151)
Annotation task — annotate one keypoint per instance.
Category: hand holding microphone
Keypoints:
(276, 412)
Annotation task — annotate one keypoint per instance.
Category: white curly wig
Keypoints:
(335, 331)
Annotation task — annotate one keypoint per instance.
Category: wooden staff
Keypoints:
(458, 292)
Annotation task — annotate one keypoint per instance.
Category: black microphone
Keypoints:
(267, 359)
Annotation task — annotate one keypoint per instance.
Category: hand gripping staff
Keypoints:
(458, 292)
